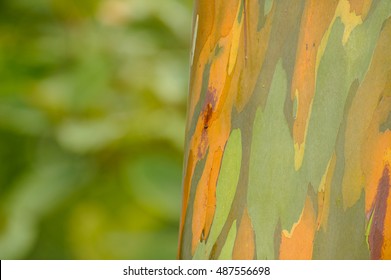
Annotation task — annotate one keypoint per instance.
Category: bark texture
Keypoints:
(288, 139)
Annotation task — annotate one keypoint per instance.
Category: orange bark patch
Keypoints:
(214, 137)
(211, 201)
(211, 134)
(214, 121)
(244, 247)
(203, 47)
(360, 7)
(253, 46)
(215, 26)
(298, 244)
(205, 199)
(228, 11)
(316, 20)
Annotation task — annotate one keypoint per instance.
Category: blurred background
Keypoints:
(92, 116)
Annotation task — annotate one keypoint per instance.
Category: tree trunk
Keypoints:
(288, 140)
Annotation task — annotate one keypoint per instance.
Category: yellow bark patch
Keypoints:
(195, 32)
(236, 32)
(299, 155)
(348, 17)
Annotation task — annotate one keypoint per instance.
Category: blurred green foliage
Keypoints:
(92, 113)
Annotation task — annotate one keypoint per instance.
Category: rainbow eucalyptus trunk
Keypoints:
(288, 140)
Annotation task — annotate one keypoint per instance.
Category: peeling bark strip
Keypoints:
(288, 142)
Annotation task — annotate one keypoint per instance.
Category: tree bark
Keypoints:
(288, 138)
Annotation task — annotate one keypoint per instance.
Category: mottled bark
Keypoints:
(288, 139)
